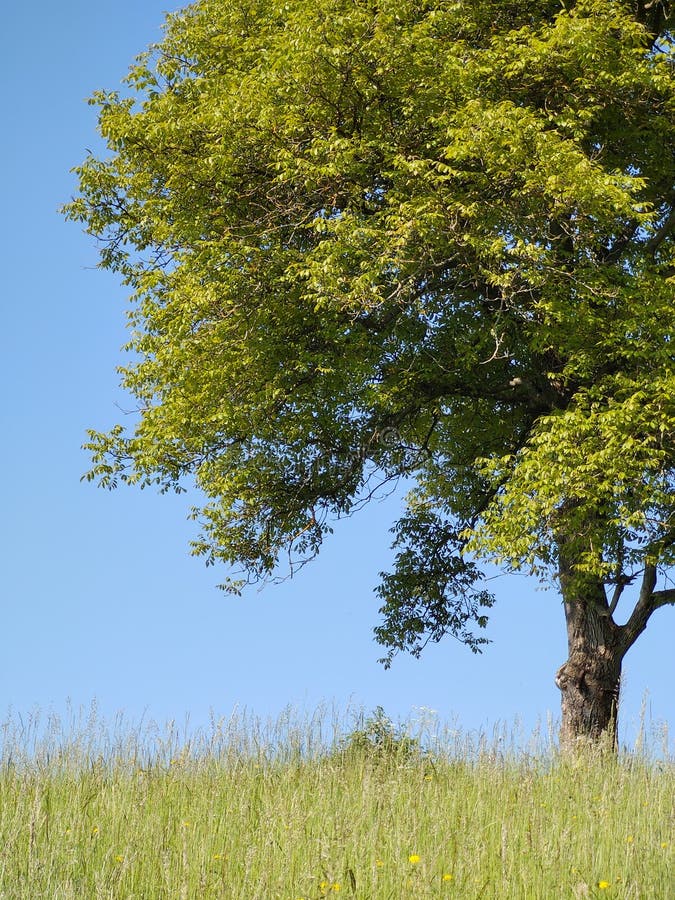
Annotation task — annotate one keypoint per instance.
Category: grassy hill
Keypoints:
(299, 812)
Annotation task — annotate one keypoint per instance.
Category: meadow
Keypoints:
(303, 809)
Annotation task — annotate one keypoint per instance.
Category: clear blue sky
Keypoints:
(100, 596)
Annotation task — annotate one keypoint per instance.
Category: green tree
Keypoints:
(369, 240)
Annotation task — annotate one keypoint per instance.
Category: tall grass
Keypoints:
(316, 808)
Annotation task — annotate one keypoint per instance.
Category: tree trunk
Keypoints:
(589, 680)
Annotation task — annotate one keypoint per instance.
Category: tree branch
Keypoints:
(648, 601)
(612, 253)
(666, 226)
(616, 595)
(663, 598)
(659, 236)
(655, 15)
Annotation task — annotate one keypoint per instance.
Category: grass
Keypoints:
(303, 810)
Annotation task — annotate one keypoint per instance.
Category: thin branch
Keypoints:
(616, 595)
(612, 253)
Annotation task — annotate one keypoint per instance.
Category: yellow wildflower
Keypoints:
(447, 876)
(413, 859)
(603, 885)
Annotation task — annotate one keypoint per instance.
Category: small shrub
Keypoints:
(378, 739)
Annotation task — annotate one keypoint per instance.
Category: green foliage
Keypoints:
(411, 239)
(428, 570)
(378, 739)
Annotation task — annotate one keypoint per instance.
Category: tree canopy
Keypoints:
(368, 240)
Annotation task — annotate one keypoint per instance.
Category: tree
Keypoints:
(369, 240)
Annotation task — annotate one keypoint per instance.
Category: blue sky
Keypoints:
(101, 599)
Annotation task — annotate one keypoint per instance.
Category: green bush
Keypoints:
(377, 738)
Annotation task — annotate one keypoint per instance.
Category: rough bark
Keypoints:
(590, 678)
